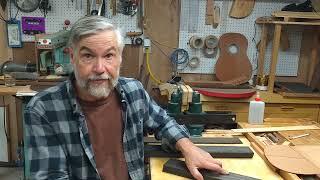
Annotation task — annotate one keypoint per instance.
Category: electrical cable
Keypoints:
(179, 57)
(149, 68)
(4, 118)
(16, 14)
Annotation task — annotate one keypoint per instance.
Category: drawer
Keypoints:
(222, 106)
(291, 108)
(312, 116)
(243, 117)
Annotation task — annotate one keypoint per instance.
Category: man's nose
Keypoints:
(99, 66)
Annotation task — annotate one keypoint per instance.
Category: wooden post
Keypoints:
(274, 57)
(314, 55)
(262, 52)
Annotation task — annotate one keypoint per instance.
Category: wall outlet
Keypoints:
(146, 44)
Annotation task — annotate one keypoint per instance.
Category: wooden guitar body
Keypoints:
(233, 61)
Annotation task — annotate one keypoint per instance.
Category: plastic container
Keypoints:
(256, 111)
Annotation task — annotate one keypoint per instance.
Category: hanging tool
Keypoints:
(103, 8)
(93, 9)
(3, 4)
(140, 15)
(114, 7)
(209, 12)
(128, 7)
(77, 6)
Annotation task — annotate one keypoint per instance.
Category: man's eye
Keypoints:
(87, 56)
(109, 55)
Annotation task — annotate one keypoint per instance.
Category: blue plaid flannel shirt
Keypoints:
(58, 145)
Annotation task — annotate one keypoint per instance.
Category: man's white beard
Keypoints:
(98, 91)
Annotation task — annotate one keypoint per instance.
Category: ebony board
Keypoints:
(215, 151)
(178, 167)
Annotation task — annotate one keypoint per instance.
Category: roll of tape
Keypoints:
(211, 41)
(138, 41)
(194, 62)
(210, 52)
(196, 42)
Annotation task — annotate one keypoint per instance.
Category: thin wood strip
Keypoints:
(263, 129)
(303, 15)
(202, 140)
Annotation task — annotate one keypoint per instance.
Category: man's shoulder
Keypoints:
(130, 83)
(49, 94)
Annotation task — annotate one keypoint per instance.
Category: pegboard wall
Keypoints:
(192, 23)
(72, 10)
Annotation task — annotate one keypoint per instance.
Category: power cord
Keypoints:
(179, 57)
(149, 68)
(4, 118)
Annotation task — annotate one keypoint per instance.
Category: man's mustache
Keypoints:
(99, 77)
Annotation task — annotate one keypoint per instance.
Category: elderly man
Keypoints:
(91, 126)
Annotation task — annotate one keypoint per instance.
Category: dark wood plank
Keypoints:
(215, 151)
(203, 140)
(178, 167)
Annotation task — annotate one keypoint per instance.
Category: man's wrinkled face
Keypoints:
(96, 61)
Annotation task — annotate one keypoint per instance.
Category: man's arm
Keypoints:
(197, 158)
(45, 158)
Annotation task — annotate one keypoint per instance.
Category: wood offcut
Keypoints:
(241, 8)
(263, 129)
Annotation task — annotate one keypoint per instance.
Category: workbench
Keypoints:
(253, 167)
(257, 166)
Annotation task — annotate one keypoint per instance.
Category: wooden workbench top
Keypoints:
(254, 167)
(5, 90)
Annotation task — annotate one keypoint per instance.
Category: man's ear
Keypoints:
(72, 55)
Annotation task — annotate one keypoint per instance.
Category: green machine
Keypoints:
(195, 108)
(54, 55)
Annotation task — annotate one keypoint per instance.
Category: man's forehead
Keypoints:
(86, 48)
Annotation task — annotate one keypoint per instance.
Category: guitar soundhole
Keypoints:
(233, 49)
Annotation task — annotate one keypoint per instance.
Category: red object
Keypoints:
(66, 50)
(227, 93)
(67, 22)
(257, 99)
(44, 41)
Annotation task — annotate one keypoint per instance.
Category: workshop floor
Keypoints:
(11, 173)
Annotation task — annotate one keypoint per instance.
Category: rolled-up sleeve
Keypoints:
(165, 127)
